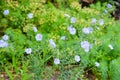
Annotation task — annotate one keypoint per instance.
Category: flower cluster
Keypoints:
(94, 21)
(86, 46)
(72, 30)
(87, 30)
(3, 42)
(72, 37)
(57, 60)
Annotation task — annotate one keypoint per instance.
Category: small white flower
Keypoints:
(52, 43)
(28, 51)
(109, 5)
(77, 58)
(6, 12)
(30, 15)
(67, 15)
(86, 46)
(87, 30)
(105, 11)
(72, 30)
(110, 46)
(63, 38)
(87, 49)
(97, 64)
(5, 37)
(56, 61)
(73, 20)
(70, 27)
(35, 29)
(38, 37)
(93, 20)
(101, 22)
(3, 44)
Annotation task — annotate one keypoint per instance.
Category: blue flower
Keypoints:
(52, 43)
(6, 12)
(28, 51)
(73, 20)
(109, 5)
(72, 30)
(56, 61)
(101, 22)
(93, 21)
(30, 15)
(38, 37)
(35, 29)
(86, 46)
(77, 58)
(5, 37)
(3, 44)
(87, 30)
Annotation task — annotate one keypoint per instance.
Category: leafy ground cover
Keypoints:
(45, 41)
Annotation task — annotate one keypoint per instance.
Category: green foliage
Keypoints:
(114, 69)
(57, 40)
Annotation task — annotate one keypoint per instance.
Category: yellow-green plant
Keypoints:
(69, 41)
